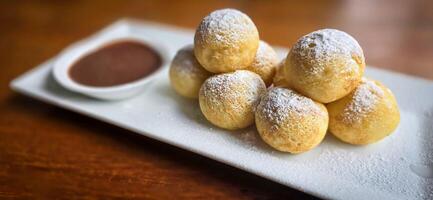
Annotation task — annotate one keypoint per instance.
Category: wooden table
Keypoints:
(47, 152)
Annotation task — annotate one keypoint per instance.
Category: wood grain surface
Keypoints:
(51, 153)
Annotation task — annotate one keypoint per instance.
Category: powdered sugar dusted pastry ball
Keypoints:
(290, 122)
(228, 100)
(226, 40)
(366, 115)
(265, 62)
(279, 78)
(186, 74)
(325, 65)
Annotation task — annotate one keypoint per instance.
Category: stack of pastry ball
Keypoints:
(319, 86)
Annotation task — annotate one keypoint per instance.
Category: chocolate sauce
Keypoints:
(114, 64)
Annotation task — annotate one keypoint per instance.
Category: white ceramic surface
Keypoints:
(76, 51)
(399, 167)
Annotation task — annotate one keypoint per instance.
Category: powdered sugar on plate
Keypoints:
(382, 165)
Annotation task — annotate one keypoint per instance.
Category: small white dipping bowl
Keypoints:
(70, 55)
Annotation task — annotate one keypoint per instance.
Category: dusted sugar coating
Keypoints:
(186, 74)
(290, 122)
(228, 100)
(325, 65)
(265, 63)
(279, 79)
(367, 115)
(226, 40)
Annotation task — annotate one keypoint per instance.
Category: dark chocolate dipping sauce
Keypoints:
(114, 64)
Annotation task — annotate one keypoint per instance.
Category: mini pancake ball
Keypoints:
(226, 40)
(366, 115)
(265, 63)
(325, 65)
(186, 74)
(290, 122)
(279, 79)
(228, 100)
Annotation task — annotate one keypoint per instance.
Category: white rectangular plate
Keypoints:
(399, 167)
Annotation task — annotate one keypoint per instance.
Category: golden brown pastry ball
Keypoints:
(186, 74)
(325, 65)
(280, 78)
(226, 40)
(227, 100)
(366, 115)
(290, 122)
(265, 63)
